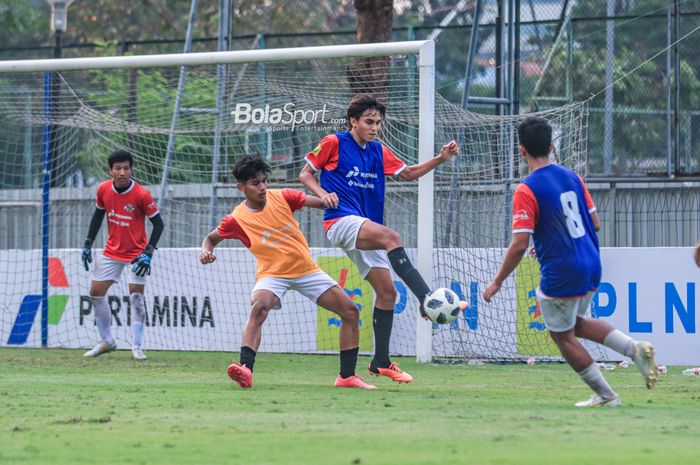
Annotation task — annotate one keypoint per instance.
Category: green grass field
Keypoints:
(181, 408)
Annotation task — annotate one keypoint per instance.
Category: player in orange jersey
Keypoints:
(264, 222)
(126, 205)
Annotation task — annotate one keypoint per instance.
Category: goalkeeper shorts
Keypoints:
(109, 269)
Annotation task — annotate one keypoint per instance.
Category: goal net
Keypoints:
(187, 118)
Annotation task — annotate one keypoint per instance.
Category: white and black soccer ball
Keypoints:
(442, 306)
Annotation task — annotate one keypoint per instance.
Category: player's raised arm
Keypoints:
(211, 240)
(447, 152)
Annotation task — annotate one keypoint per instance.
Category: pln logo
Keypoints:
(31, 303)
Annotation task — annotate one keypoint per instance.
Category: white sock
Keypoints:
(138, 315)
(595, 380)
(104, 318)
(620, 343)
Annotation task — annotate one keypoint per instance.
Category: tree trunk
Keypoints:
(369, 75)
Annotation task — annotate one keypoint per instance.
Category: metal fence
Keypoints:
(633, 214)
(645, 125)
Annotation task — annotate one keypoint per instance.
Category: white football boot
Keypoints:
(101, 348)
(596, 401)
(644, 359)
(137, 354)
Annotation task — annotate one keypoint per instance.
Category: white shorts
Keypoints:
(560, 314)
(343, 234)
(109, 269)
(310, 286)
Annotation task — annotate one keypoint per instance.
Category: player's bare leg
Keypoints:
(382, 322)
(336, 300)
(262, 302)
(374, 236)
(138, 317)
(582, 363)
(642, 353)
(103, 317)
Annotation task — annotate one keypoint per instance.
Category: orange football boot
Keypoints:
(353, 381)
(392, 371)
(241, 374)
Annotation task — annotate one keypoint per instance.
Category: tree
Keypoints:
(374, 19)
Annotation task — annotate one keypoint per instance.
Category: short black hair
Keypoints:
(119, 156)
(535, 134)
(248, 166)
(363, 102)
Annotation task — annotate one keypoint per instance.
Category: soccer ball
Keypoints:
(442, 306)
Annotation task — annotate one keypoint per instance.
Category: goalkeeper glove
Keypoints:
(87, 255)
(142, 263)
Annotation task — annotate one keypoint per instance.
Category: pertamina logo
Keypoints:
(31, 303)
(363, 183)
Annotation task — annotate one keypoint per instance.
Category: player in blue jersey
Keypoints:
(352, 166)
(554, 206)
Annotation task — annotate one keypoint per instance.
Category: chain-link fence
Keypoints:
(646, 124)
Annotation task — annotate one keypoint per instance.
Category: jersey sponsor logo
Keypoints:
(520, 215)
(31, 303)
(363, 183)
(315, 151)
(119, 219)
(269, 239)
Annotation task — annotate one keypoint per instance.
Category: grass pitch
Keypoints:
(181, 408)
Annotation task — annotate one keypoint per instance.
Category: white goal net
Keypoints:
(187, 126)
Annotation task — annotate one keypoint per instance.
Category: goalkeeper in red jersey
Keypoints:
(264, 222)
(126, 205)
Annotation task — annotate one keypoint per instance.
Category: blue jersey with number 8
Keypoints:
(554, 205)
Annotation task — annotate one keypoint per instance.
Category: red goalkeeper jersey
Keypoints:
(126, 219)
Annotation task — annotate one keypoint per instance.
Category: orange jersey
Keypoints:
(126, 217)
(275, 238)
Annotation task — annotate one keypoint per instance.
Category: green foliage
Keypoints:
(155, 100)
(21, 22)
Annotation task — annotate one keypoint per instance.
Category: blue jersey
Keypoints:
(554, 205)
(355, 174)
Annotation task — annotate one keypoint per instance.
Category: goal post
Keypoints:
(278, 103)
(423, 50)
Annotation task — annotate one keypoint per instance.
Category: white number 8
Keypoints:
(574, 223)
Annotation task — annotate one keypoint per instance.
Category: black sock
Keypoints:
(247, 357)
(381, 323)
(348, 360)
(406, 271)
